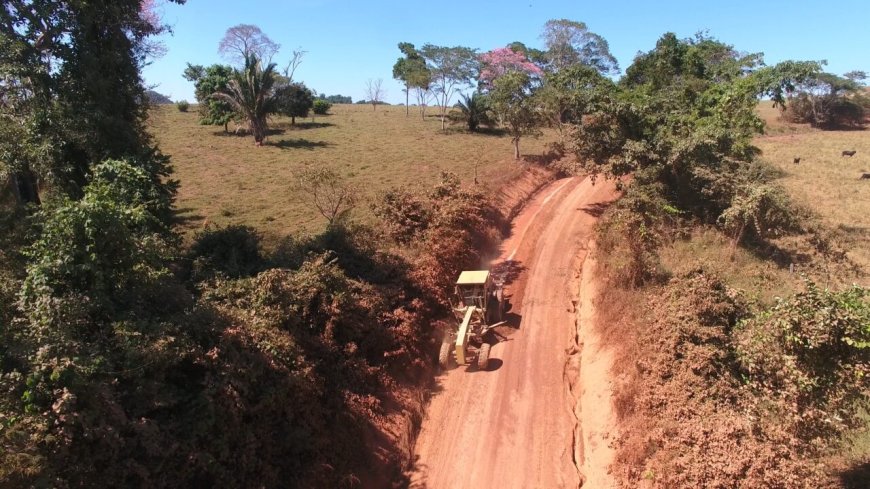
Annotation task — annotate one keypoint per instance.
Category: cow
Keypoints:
(849, 153)
(797, 159)
(864, 176)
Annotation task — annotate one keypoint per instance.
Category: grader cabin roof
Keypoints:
(473, 277)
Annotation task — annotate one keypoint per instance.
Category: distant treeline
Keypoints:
(336, 99)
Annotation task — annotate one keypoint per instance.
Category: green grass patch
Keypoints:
(226, 180)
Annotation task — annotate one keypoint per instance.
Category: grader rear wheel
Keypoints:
(444, 355)
(483, 356)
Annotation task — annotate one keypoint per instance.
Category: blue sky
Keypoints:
(349, 42)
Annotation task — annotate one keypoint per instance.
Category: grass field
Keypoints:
(225, 179)
(824, 180)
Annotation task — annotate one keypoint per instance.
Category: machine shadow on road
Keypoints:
(507, 271)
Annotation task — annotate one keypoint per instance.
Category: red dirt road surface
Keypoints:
(523, 423)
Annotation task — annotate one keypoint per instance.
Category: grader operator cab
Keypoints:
(478, 304)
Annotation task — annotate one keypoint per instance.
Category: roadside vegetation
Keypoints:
(745, 358)
(266, 314)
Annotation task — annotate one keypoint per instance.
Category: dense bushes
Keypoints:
(182, 105)
(455, 229)
(233, 251)
(113, 372)
(810, 355)
(827, 101)
(720, 396)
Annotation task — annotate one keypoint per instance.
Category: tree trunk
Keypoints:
(516, 148)
(24, 188)
(292, 120)
(407, 101)
(226, 127)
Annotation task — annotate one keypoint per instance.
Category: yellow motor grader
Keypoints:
(478, 304)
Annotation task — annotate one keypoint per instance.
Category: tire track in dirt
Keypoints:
(518, 424)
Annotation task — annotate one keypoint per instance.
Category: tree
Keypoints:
(412, 71)
(828, 101)
(570, 43)
(475, 110)
(501, 61)
(251, 93)
(207, 81)
(294, 63)
(512, 101)
(451, 68)
(329, 194)
(54, 62)
(244, 40)
(295, 100)
(536, 56)
(856, 76)
(375, 92)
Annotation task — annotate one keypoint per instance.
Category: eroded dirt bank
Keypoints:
(517, 424)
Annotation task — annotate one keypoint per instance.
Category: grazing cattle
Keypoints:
(849, 153)
(797, 159)
(864, 176)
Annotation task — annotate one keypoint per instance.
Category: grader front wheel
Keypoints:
(444, 355)
(483, 356)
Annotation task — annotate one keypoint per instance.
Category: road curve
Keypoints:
(513, 426)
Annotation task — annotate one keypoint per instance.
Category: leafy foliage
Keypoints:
(251, 93)
(208, 81)
(570, 43)
(233, 251)
(516, 109)
(294, 100)
(827, 101)
(811, 355)
(474, 111)
(450, 68)
(321, 107)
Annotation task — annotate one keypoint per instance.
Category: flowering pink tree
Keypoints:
(501, 61)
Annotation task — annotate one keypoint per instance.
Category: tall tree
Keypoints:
(243, 40)
(452, 68)
(411, 70)
(514, 105)
(251, 93)
(72, 90)
(570, 43)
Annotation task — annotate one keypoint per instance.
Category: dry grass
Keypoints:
(825, 181)
(225, 179)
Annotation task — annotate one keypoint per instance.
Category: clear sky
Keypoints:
(351, 41)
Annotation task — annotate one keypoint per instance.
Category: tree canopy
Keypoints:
(244, 40)
(569, 43)
(451, 68)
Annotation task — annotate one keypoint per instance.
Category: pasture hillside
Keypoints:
(825, 181)
(226, 180)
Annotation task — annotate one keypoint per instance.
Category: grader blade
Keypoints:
(462, 336)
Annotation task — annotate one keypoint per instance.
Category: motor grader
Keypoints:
(478, 304)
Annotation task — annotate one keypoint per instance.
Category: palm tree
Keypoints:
(475, 110)
(251, 93)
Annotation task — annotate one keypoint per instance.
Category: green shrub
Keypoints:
(233, 251)
(182, 105)
(811, 355)
(321, 107)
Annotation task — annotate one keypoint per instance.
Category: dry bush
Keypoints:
(691, 415)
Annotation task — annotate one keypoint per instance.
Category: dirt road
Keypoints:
(521, 423)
